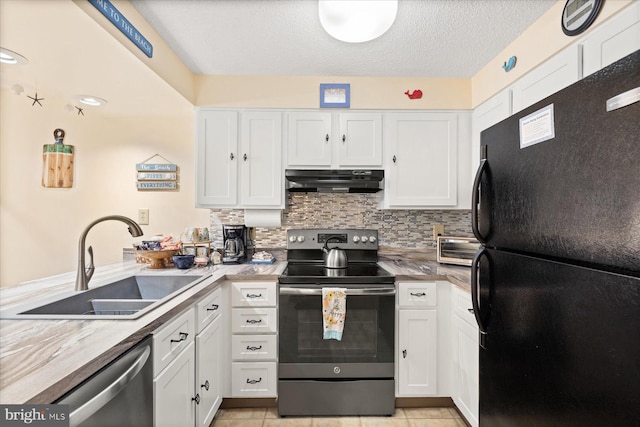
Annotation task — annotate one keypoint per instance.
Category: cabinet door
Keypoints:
(549, 77)
(417, 361)
(614, 40)
(261, 172)
(208, 372)
(466, 370)
(309, 139)
(360, 139)
(423, 152)
(173, 392)
(217, 158)
(485, 115)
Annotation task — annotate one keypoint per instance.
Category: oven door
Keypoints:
(366, 348)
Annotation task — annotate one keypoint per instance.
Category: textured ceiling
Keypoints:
(430, 38)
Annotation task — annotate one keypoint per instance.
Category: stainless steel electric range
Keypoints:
(323, 377)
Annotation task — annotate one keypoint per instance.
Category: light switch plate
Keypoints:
(143, 216)
(438, 230)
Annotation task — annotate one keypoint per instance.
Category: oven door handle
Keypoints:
(383, 290)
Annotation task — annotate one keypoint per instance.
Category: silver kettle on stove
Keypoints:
(334, 257)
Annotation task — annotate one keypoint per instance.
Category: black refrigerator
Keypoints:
(556, 282)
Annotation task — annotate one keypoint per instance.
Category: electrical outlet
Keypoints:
(143, 216)
(438, 230)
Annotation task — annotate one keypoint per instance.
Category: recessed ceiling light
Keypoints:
(356, 21)
(91, 100)
(10, 57)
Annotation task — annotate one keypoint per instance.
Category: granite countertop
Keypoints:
(40, 360)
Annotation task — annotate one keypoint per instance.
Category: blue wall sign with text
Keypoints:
(112, 14)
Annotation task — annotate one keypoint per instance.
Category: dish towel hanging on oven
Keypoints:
(334, 310)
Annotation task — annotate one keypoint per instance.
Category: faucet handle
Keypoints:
(90, 268)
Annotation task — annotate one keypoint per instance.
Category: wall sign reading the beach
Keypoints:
(112, 14)
(157, 176)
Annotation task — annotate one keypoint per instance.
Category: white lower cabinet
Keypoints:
(187, 368)
(209, 372)
(417, 339)
(465, 391)
(254, 339)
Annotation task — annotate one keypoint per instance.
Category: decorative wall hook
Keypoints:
(416, 94)
(508, 66)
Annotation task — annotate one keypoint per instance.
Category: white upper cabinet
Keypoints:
(239, 159)
(614, 40)
(324, 140)
(217, 158)
(309, 139)
(261, 171)
(422, 159)
(360, 139)
(487, 114)
(549, 77)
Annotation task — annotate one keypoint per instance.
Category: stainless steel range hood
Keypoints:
(334, 180)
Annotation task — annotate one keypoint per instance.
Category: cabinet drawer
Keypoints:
(417, 294)
(253, 320)
(208, 309)
(253, 347)
(253, 294)
(253, 379)
(172, 338)
(462, 304)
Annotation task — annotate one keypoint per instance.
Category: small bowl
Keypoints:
(183, 261)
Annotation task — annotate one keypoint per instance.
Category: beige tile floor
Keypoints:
(403, 417)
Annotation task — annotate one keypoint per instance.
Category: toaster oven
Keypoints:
(456, 250)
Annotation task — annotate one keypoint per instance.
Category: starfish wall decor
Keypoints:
(36, 99)
(80, 111)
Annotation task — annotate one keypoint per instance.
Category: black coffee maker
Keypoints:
(234, 244)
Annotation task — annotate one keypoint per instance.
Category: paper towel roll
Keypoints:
(263, 217)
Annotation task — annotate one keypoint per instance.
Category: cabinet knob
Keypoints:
(245, 157)
(404, 354)
(394, 159)
(196, 399)
(205, 385)
(344, 138)
(231, 156)
(326, 138)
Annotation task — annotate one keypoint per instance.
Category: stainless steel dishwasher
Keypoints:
(121, 394)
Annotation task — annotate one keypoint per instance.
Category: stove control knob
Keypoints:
(372, 239)
(300, 239)
(356, 239)
(292, 239)
(364, 239)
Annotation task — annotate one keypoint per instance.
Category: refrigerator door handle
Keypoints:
(474, 290)
(475, 198)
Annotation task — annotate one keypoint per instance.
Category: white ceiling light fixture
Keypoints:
(91, 100)
(357, 21)
(10, 57)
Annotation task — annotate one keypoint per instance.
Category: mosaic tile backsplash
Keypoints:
(396, 228)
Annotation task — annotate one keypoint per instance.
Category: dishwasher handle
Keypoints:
(382, 290)
(95, 403)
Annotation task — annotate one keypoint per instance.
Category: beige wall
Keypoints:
(304, 92)
(539, 42)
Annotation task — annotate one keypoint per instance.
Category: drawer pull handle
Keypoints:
(206, 385)
(183, 336)
(254, 296)
(214, 307)
(404, 354)
(418, 294)
(253, 381)
(253, 321)
(196, 399)
(254, 348)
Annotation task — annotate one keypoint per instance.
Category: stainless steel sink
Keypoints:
(127, 298)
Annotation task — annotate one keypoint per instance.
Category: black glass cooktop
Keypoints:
(361, 273)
